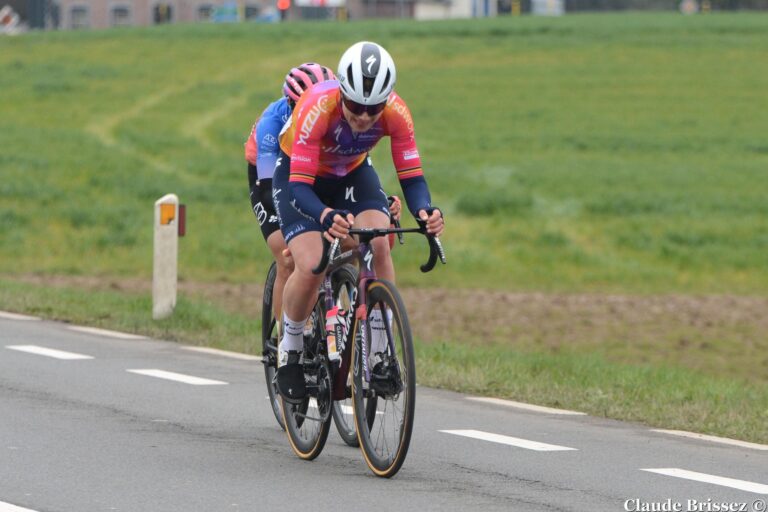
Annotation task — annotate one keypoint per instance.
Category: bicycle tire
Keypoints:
(308, 431)
(344, 280)
(373, 410)
(269, 335)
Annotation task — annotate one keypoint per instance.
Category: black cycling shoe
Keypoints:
(290, 378)
(385, 379)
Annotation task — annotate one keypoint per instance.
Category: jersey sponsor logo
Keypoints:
(339, 150)
(261, 213)
(276, 202)
(337, 132)
(400, 109)
(318, 109)
(411, 154)
(269, 139)
(350, 194)
(300, 158)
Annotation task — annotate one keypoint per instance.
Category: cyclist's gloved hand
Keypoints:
(336, 224)
(395, 207)
(432, 218)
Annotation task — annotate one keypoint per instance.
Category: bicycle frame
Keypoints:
(363, 254)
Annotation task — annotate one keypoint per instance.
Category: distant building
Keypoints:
(100, 14)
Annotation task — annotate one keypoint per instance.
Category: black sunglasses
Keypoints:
(358, 109)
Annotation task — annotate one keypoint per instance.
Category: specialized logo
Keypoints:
(370, 61)
(368, 258)
(350, 194)
(337, 132)
(319, 108)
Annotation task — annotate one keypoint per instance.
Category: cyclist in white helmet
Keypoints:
(325, 182)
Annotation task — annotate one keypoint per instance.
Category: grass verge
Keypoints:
(657, 395)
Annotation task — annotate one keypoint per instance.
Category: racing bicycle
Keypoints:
(383, 394)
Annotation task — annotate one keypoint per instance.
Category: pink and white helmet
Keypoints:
(301, 78)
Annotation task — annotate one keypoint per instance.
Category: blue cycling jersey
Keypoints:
(263, 146)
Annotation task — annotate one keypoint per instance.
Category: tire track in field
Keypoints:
(103, 129)
(197, 126)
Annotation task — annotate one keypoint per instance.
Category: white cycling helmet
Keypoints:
(366, 73)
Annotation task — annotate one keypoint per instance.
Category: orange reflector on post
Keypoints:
(167, 213)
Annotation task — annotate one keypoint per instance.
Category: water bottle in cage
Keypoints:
(334, 330)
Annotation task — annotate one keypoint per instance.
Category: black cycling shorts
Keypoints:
(358, 191)
(261, 203)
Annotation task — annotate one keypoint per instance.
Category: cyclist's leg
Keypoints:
(277, 245)
(363, 196)
(300, 292)
(264, 209)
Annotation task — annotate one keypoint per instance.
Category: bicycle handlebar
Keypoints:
(366, 234)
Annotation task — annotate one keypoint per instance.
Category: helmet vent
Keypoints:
(386, 81)
(350, 78)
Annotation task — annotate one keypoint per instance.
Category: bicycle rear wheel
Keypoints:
(269, 337)
(384, 410)
(308, 423)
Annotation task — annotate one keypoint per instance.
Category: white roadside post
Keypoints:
(165, 267)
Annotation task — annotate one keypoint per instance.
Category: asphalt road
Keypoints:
(100, 433)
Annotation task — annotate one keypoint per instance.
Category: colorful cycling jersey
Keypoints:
(321, 142)
(262, 148)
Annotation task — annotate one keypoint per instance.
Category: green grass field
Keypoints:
(605, 153)
(590, 153)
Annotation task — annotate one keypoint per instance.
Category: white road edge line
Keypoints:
(179, 377)
(511, 441)
(48, 352)
(713, 439)
(16, 316)
(223, 353)
(104, 332)
(528, 407)
(742, 485)
(7, 507)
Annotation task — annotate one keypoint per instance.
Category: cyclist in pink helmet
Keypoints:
(301, 78)
(261, 151)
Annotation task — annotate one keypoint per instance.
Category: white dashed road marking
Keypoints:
(346, 409)
(7, 507)
(521, 405)
(179, 377)
(511, 441)
(16, 316)
(223, 353)
(713, 439)
(711, 479)
(48, 352)
(104, 332)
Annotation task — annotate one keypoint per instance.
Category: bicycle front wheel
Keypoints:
(344, 281)
(308, 423)
(384, 406)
